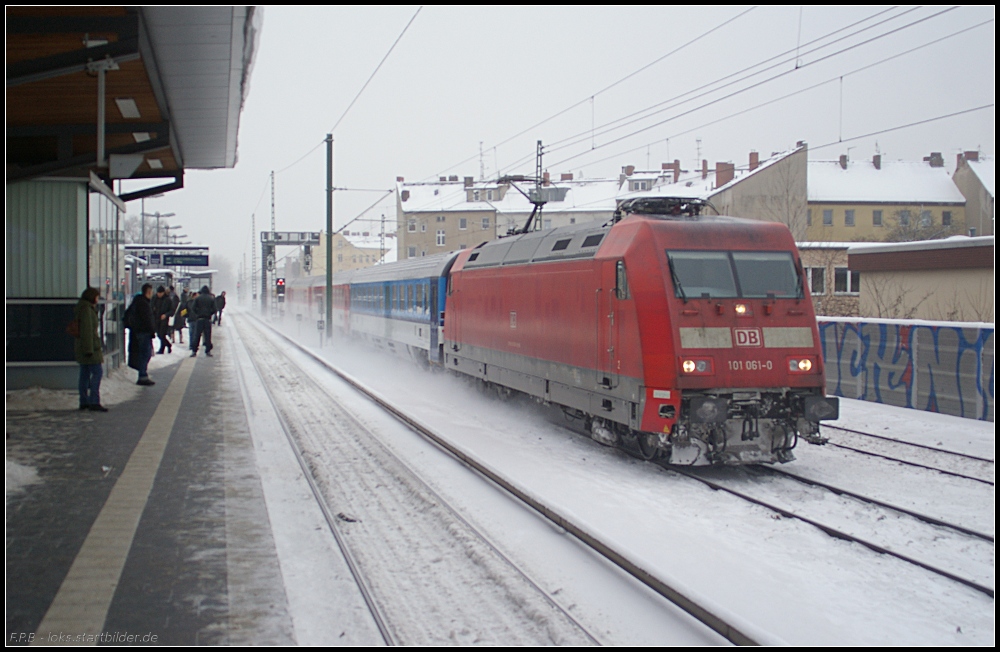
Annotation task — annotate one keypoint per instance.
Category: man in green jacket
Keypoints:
(89, 351)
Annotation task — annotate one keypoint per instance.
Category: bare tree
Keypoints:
(910, 227)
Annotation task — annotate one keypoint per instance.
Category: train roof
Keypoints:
(411, 268)
(565, 242)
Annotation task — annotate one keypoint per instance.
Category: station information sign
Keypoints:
(186, 260)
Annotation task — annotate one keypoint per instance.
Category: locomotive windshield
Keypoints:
(733, 274)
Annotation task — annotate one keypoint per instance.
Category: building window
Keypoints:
(461, 246)
(423, 228)
(572, 220)
(876, 218)
(817, 280)
(486, 223)
(340, 258)
(946, 218)
(489, 195)
(809, 217)
(463, 223)
(440, 237)
(926, 219)
(827, 217)
(846, 282)
(475, 195)
(411, 226)
(340, 244)
(904, 218)
(849, 217)
(440, 218)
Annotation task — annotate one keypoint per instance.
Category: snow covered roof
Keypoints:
(691, 184)
(581, 195)
(986, 170)
(954, 242)
(897, 182)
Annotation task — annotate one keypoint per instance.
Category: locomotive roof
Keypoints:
(573, 241)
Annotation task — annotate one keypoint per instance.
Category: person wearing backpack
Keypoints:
(89, 350)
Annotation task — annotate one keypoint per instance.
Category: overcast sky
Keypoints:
(465, 79)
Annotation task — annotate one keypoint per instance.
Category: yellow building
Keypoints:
(886, 201)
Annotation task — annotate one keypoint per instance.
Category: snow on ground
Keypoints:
(786, 577)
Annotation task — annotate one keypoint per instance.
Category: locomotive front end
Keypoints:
(747, 373)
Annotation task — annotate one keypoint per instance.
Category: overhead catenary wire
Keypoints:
(606, 88)
(586, 136)
(772, 101)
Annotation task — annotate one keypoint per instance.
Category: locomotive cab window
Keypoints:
(733, 274)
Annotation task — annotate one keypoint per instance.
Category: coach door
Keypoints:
(609, 294)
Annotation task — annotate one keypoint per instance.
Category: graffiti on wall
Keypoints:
(946, 368)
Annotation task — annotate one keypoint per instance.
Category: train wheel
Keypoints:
(647, 442)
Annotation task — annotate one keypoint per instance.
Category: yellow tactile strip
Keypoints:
(77, 614)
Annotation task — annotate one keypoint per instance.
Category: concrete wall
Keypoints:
(936, 367)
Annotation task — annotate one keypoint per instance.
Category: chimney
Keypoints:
(405, 195)
(972, 156)
(566, 176)
(754, 161)
(399, 179)
(935, 160)
(453, 177)
(545, 179)
(704, 168)
(843, 161)
(675, 167)
(628, 170)
(442, 178)
(724, 173)
(877, 161)
(800, 144)
(468, 182)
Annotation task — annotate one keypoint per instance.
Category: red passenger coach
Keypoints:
(670, 333)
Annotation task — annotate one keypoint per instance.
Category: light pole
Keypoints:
(168, 228)
(157, 215)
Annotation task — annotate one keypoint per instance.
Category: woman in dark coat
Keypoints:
(180, 315)
(162, 309)
(89, 351)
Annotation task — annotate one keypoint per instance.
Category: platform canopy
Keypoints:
(175, 80)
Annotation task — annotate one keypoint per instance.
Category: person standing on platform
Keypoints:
(220, 305)
(89, 351)
(139, 321)
(203, 309)
(161, 317)
(180, 315)
(174, 302)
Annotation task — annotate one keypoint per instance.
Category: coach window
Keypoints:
(621, 281)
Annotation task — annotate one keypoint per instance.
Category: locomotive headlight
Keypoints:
(800, 365)
(697, 366)
(741, 309)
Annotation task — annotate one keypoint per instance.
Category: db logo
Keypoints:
(747, 336)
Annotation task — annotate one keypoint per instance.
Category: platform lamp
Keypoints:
(158, 215)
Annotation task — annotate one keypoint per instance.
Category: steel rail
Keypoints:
(834, 532)
(352, 564)
(874, 501)
(445, 505)
(736, 634)
(910, 443)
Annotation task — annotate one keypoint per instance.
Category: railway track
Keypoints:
(839, 532)
(724, 624)
(952, 463)
(419, 565)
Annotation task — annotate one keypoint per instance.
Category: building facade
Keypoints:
(975, 177)
(883, 201)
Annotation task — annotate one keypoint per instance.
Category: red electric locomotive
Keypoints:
(671, 333)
